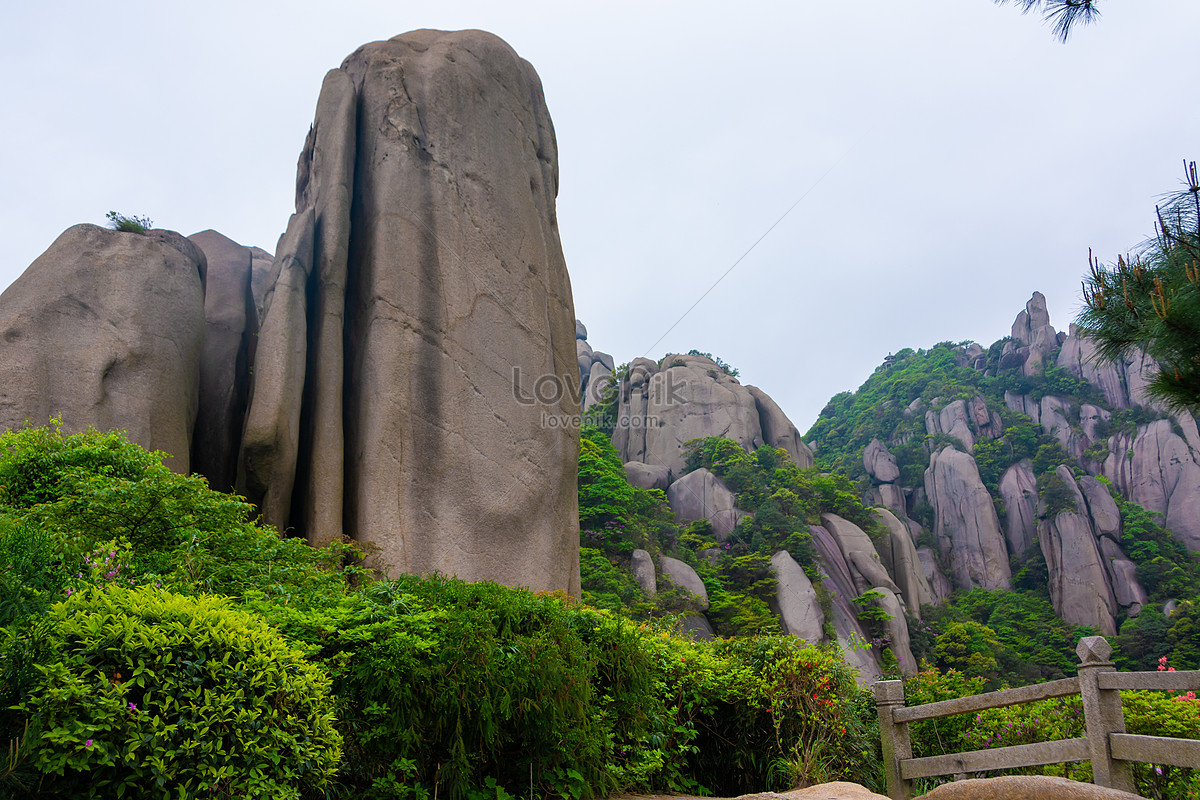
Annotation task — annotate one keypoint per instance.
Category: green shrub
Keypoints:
(120, 222)
(72, 492)
(154, 692)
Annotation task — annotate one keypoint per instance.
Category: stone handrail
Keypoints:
(1105, 742)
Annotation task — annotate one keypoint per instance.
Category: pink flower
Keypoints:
(88, 743)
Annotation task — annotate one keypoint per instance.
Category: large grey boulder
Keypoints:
(1025, 787)
(105, 329)
(1080, 357)
(798, 607)
(1079, 583)
(900, 552)
(952, 420)
(1122, 575)
(231, 324)
(692, 398)
(1018, 490)
(1161, 475)
(647, 476)
(965, 522)
(642, 567)
(599, 379)
(866, 568)
(837, 580)
(879, 463)
(778, 430)
(897, 630)
(416, 376)
(939, 584)
(629, 433)
(702, 495)
(682, 575)
(1102, 508)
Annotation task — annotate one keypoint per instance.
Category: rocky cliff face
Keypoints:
(403, 371)
(1097, 414)
(107, 329)
(416, 368)
(662, 407)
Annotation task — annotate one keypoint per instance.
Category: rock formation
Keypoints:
(231, 325)
(691, 397)
(702, 495)
(899, 555)
(1018, 490)
(1157, 470)
(106, 329)
(415, 375)
(796, 600)
(595, 369)
(965, 521)
(1079, 586)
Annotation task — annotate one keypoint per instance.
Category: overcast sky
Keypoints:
(949, 156)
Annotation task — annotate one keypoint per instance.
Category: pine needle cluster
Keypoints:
(1150, 300)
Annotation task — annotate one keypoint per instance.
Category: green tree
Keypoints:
(1151, 300)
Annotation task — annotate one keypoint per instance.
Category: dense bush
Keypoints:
(149, 692)
(444, 687)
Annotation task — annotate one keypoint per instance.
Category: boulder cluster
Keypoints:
(381, 377)
(663, 405)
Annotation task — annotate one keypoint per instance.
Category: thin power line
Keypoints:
(756, 243)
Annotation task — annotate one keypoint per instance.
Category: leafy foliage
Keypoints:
(134, 224)
(1151, 301)
(148, 688)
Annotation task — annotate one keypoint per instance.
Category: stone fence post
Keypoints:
(889, 695)
(1102, 714)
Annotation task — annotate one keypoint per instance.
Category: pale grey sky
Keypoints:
(975, 159)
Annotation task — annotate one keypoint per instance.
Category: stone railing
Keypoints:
(1105, 742)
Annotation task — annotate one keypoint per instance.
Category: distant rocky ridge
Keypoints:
(375, 379)
(1092, 582)
(663, 405)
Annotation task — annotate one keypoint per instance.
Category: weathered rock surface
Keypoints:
(939, 584)
(1079, 585)
(836, 577)
(897, 630)
(900, 554)
(879, 463)
(1025, 787)
(1106, 516)
(702, 495)
(778, 430)
(647, 476)
(1018, 490)
(599, 378)
(106, 329)
(965, 522)
(952, 421)
(231, 324)
(866, 568)
(689, 398)
(409, 331)
(798, 608)
(835, 790)
(683, 576)
(1122, 574)
(1160, 476)
(642, 567)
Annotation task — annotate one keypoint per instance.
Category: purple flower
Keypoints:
(133, 706)
(88, 743)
